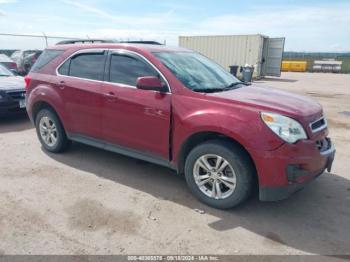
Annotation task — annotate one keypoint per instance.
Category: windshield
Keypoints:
(197, 72)
(5, 72)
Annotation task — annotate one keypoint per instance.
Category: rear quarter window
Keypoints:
(46, 57)
(64, 69)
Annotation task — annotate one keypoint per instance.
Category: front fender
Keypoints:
(243, 125)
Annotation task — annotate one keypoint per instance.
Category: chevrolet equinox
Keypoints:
(177, 108)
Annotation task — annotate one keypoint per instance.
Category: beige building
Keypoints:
(261, 51)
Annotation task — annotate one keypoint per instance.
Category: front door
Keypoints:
(133, 118)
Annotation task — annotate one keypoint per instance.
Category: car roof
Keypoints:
(5, 58)
(130, 46)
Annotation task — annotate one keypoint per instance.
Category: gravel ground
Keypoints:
(88, 201)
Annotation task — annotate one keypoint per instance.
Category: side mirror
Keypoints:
(150, 83)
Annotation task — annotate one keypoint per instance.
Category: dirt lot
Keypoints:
(89, 201)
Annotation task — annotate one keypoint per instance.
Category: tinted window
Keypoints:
(64, 69)
(90, 66)
(126, 69)
(46, 57)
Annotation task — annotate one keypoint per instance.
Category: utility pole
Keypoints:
(47, 44)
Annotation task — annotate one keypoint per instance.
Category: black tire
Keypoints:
(62, 142)
(240, 163)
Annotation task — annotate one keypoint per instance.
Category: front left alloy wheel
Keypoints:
(214, 176)
(220, 173)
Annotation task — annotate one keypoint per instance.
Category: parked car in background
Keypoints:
(30, 60)
(12, 92)
(8, 63)
(25, 59)
(176, 108)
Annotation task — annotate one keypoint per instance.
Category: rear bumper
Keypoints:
(290, 168)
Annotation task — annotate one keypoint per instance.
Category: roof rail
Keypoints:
(84, 41)
(93, 41)
(141, 42)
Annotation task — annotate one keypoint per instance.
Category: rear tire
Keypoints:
(229, 181)
(50, 131)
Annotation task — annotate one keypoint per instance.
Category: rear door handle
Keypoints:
(62, 84)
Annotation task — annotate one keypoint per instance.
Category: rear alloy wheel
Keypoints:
(219, 173)
(50, 131)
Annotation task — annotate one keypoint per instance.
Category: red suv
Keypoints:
(176, 108)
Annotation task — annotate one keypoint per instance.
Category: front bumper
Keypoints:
(10, 108)
(12, 102)
(288, 169)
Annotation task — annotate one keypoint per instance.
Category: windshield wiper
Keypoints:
(220, 89)
(234, 84)
(208, 90)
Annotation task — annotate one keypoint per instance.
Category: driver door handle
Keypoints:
(110, 96)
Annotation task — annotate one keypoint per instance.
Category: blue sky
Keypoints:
(307, 25)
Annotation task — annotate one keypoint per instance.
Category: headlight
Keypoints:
(286, 128)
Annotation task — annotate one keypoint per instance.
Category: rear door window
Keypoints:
(126, 69)
(46, 57)
(88, 66)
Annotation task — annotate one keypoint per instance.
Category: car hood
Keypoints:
(11, 83)
(273, 100)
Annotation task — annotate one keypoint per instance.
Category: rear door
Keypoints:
(80, 82)
(273, 53)
(133, 118)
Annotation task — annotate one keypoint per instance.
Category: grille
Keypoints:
(318, 125)
(18, 95)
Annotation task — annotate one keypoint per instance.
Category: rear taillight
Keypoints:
(27, 81)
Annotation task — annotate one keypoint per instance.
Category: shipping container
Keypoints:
(264, 53)
(294, 66)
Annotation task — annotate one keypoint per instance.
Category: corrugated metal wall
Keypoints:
(228, 50)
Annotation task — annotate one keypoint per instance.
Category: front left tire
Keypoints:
(220, 174)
